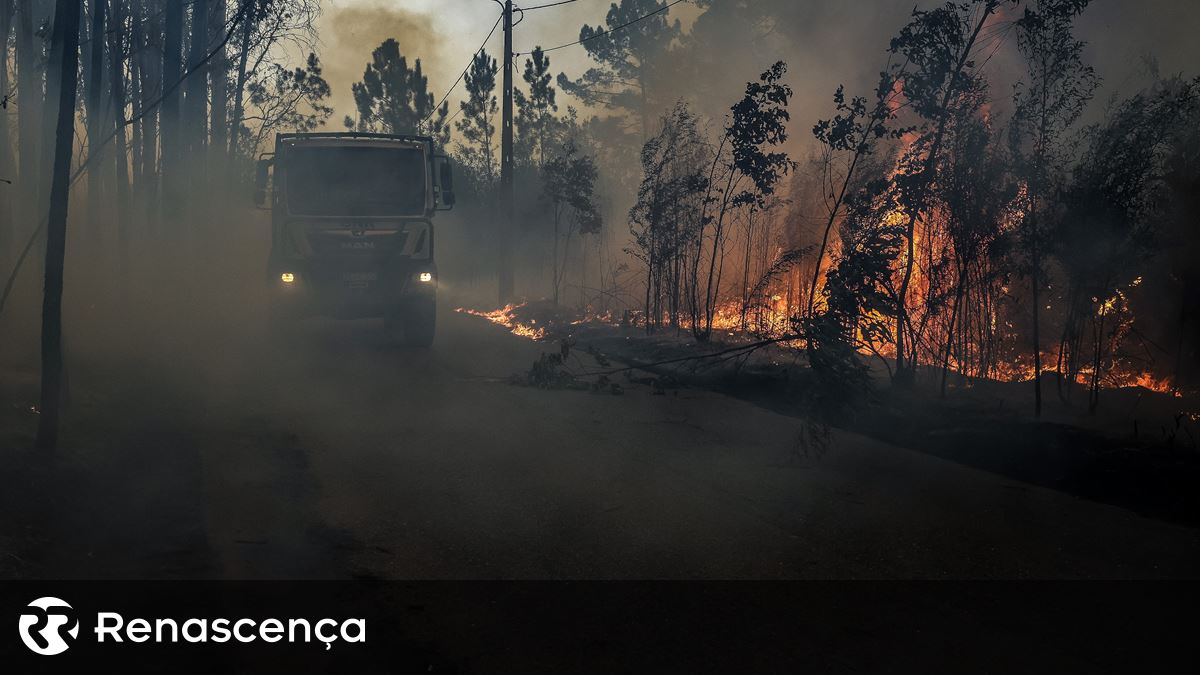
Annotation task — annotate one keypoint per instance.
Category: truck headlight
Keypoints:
(287, 278)
(425, 277)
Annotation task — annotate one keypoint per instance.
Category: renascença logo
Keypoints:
(44, 624)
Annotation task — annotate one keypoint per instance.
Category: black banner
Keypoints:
(599, 627)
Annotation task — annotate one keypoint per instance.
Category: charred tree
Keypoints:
(95, 122)
(116, 62)
(29, 119)
(7, 233)
(172, 140)
(250, 18)
(147, 36)
(65, 50)
(195, 114)
(219, 81)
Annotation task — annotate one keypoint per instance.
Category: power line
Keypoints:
(464, 71)
(549, 4)
(660, 10)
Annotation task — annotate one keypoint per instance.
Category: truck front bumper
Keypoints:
(308, 290)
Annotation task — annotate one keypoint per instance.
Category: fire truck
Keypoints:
(352, 231)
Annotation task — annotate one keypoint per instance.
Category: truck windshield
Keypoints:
(355, 181)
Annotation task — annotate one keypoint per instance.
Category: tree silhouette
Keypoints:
(63, 64)
(478, 123)
(745, 169)
(848, 138)
(940, 47)
(393, 98)
(288, 99)
(535, 112)
(663, 221)
(569, 184)
(625, 77)
(1112, 200)
(1047, 104)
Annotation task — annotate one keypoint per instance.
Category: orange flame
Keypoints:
(505, 316)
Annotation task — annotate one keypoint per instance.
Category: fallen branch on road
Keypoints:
(723, 355)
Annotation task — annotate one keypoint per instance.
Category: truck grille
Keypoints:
(348, 241)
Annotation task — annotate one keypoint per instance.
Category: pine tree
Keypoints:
(535, 111)
(393, 98)
(478, 123)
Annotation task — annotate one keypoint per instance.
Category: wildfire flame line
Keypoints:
(728, 319)
(505, 316)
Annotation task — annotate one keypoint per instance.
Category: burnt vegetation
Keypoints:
(953, 227)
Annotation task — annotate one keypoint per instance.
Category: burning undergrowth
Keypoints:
(591, 350)
(536, 321)
(543, 321)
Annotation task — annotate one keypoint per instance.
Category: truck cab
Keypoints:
(352, 231)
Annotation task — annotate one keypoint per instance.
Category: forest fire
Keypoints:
(769, 319)
(635, 294)
(505, 316)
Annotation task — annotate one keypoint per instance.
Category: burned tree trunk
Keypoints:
(148, 85)
(66, 53)
(219, 77)
(121, 157)
(29, 105)
(171, 147)
(196, 99)
(239, 90)
(7, 235)
(95, 123)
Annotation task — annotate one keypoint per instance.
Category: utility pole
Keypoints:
(505, 266)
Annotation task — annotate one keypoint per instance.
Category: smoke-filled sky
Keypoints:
(825, 42)
(444, 34)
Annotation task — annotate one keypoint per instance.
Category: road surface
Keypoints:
(332, 454)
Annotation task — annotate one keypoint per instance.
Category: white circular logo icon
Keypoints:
(43, 624)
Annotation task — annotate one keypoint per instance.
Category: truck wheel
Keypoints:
(420, 322)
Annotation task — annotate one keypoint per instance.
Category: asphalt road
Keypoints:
(333, 454)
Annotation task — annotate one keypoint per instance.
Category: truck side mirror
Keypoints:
(445, 182)
(261, 175)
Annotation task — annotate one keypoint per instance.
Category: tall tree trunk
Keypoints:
(958, 296)
(1035, 288)
(711, 293)
(136, 142)
(95, 125)
(196, 99)
(1182, 326)
(219, 77)
(169, 169)
(239, 89)
(746, 270)
(904, 374)
(29, 119)
(556, 218)
(65, 48)
(117, 65)
(149, 85)
(48, 133)
(8, 236)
